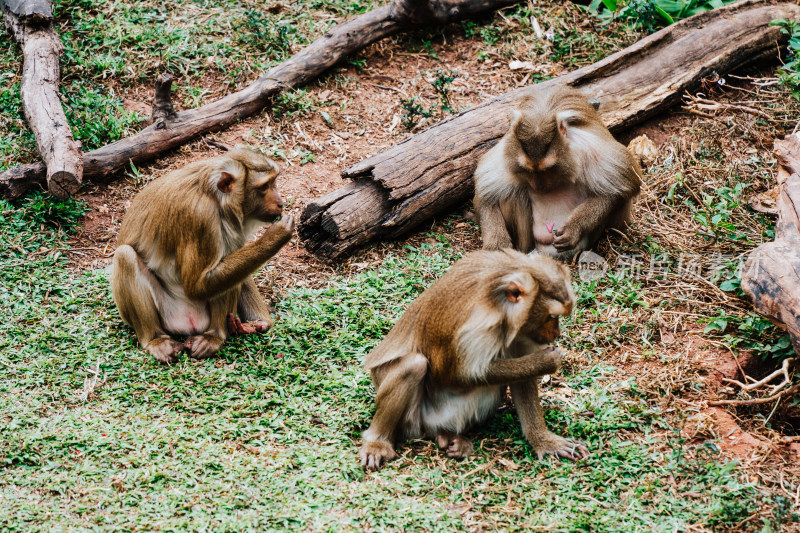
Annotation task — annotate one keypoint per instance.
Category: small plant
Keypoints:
(441, 84)
(651, 15)
(292, 103)
(789, 74)
(414, 111)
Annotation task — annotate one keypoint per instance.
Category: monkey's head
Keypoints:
(247, 177)
(534, 296)
(545, 124)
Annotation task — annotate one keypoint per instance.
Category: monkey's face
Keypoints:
(553, 300)
(544, 155)
(263, 201)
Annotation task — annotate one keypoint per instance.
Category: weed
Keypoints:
(789, 74)
(441, 84)
(295, 103)
(413, 111)
(651, 15)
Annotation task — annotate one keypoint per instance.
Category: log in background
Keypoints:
(407, 184)
(172, 130)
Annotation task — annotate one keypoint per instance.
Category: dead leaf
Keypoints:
(644, 149)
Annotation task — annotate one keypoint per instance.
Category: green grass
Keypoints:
(265, 436)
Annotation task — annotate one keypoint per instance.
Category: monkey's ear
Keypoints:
(515, 292)
(564, 119)
(225, 181)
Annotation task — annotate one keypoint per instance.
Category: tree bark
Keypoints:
(31, 23)
(405, 185)
(771, 276)
(171, 130)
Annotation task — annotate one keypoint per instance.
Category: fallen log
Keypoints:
(31, 24)
(771, 277)
(171, 129)
(405, 185)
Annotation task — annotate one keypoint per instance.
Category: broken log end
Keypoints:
(63, 183)
(162, 103)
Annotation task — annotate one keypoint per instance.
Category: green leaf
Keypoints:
(666, 16)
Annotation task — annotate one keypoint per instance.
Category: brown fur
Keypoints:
(182, 265)
(558, 165)
(478, 328)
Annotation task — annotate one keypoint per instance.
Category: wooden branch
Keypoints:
(31, 23)
(405, 185)
(771, 276)
(170, 131)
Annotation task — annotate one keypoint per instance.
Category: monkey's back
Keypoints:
(180, 207)
(430, 323)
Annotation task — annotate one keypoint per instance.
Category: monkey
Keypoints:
(183, 265)
(556, 180)
(487, 323)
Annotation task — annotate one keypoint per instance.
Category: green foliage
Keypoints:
(264, 437)
(413, 111)
(441, 84)
(789, 74)
(95, 116)
(651, 15)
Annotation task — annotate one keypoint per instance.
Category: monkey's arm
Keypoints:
(237, 266)
(493, 228)
(511, 370)
(505, 371)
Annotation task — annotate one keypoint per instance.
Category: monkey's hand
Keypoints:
(547, 443)
(455, 445)
(567, 237)
(237, 327)
(374, 453)
(281, 230)
(551, 357)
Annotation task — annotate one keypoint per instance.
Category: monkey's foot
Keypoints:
(237, 327)
(552, 444)
(455, 445)
(374, 453)
(164, 349)
(203, 346)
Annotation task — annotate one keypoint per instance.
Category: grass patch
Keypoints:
(95, 434)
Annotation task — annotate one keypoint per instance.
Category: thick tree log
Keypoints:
(172, 130)
(31, 23)
(771, 276)
(405, 185)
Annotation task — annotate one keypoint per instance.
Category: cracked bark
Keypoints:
(771, 277)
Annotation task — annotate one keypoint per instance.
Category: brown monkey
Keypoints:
(183, 263)
(556, 180)
(444, 366)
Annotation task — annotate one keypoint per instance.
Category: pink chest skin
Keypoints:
(551, 211)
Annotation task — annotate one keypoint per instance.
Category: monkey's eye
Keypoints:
(516, 293)
(265, 187)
